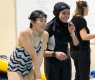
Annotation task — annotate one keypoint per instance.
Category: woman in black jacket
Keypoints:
(57, 60)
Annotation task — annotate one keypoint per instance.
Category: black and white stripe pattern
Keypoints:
(20, 61)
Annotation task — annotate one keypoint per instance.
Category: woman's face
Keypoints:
(86, 9)
(40, 24)
(64, 15)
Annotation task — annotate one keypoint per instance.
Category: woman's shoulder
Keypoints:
(79, 18)
(24, 32)
(45, 34)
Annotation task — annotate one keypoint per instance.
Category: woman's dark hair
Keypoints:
(80, 8)
(36, 14)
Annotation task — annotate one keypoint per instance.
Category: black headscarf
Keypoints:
(57, 8)
(56, 23)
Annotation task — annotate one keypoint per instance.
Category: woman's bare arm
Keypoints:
(25, 41)
(71, 29)
(85, 36)
(75, 40)
(41, 52)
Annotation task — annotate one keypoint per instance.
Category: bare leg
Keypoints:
(30, 76)
(14, 76)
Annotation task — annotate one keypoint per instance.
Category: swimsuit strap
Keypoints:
(33, 36)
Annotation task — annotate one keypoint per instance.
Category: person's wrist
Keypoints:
(54, 54)
(73, 34)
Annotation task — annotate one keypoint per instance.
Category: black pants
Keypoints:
(58, 70)
(82, 64)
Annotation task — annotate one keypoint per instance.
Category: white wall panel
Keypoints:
(25, 7)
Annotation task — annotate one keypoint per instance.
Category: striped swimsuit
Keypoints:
(21, 61)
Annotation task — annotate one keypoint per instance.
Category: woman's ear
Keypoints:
(84, 7)
(32, 22)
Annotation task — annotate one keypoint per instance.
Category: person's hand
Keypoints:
(61, 56)
(71, 27)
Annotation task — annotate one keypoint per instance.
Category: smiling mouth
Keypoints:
(43, 27)
(64, 19)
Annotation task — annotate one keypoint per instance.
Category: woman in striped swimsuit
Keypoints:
(26, 59)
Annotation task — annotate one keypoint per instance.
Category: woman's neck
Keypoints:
(35, 33)
(79, 15)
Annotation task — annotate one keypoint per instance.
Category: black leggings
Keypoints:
(58, 71)
(82, 64)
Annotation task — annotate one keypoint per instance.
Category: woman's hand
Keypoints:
(71, 27)
(61, 56)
